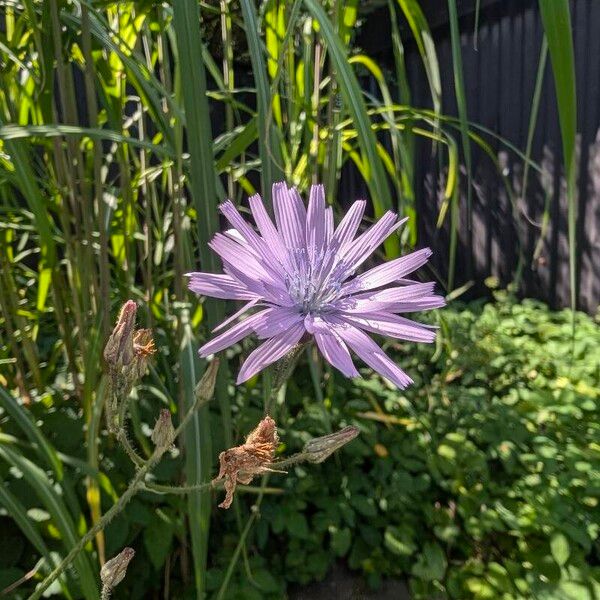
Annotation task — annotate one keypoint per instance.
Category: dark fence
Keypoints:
(500, 76)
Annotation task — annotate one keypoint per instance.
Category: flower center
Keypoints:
(315, 282)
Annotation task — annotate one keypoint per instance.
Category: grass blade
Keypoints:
(557, 25)
(59, 512)
(424, 40)
(201, 183)
(25, 421)
(461, 102)
(268, 138)
(355, 104)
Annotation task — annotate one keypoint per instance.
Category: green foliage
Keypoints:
(113, 197)
(481, 481)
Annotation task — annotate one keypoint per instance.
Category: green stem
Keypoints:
(186, 489)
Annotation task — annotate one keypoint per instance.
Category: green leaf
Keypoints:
(61, 516)
(431, 564)
(297, 525)
(422, 34)
(559, 546)
(397, 543)
(556, 19)
(158, 536)
(340, 541)
(24, 420)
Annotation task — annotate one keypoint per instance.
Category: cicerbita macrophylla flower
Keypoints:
(298, 277)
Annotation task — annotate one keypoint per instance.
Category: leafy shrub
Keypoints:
(480, 481)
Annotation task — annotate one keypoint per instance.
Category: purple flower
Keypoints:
(297, 276)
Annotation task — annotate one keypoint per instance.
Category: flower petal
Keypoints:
(373, 355)
(270, 351)
(391, 325)
(254, 241)
(418, 304)
(349, 225)
(384, 300)
(290, 216)
(267, 230)
(237, 314)
(353, 255)
(315, 221)
(277, 320)
(335, 351)
(244, 259)
(392, 270)
(231, 336)
(219, 286)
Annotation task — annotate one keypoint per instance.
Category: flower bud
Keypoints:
(206, 386)
(119, 348)
(163, 434)
(113, 572)
(318, 449)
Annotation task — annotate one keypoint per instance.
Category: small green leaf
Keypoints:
(340, 541)
(431, 564)
(398, 544)
(158, 536)
(559, 546)
(297, 525)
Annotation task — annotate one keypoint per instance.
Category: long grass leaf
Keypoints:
(426, 46)
(355, 104)
(18, 513)
(461, 102)
(201, 183)
(59, 513)
(268, 137)
(24, 420)
(556, 19)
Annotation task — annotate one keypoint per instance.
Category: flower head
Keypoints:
(298, 277)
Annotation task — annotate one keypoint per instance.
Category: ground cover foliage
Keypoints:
(480, 481)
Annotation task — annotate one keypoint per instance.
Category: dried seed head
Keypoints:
(254, 457)
(163, 434)
(318, 449)
(119, 348)
(114, 570)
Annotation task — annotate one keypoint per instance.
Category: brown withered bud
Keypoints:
(114, 570)
(253, 457)
(319, 449)
(127, 351)
(163, 433)
(205, 388)
(118, 351)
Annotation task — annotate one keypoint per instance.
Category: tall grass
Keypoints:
(110, 173)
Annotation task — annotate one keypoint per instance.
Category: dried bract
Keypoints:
(163, 433)
(118, 351)
(114, 570)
